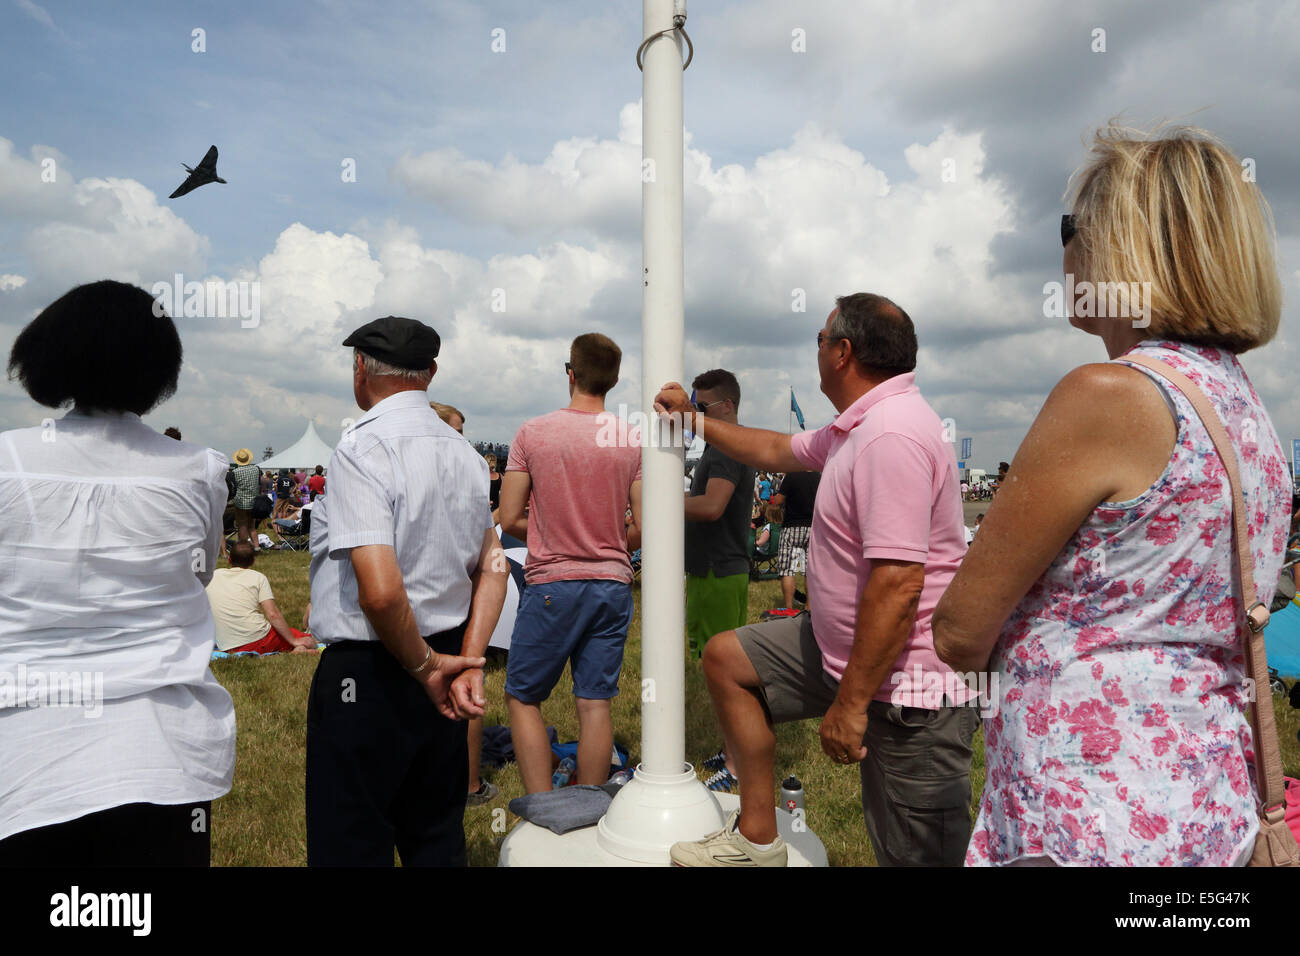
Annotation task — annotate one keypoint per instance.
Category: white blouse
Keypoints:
(109, 532)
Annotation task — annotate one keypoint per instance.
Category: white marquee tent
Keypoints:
(306, 453)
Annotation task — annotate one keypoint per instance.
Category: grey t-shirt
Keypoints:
(721, 546)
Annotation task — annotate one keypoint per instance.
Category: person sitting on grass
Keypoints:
(240, 597)
(763, 539)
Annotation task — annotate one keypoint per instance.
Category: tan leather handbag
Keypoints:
(1275, 845)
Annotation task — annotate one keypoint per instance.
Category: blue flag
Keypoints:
(794, 407)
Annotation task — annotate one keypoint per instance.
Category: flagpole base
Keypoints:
(654, 811)
(530, 845)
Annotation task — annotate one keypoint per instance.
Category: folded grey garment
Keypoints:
(569, 808)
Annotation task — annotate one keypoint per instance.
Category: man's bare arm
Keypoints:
(711, 505)
(277, 621)
(886, 612)
(488, 595)
(381, 595)
(763, 449)
(515, 486)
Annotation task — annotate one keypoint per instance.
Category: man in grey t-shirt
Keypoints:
(717, 524)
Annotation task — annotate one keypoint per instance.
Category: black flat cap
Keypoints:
(404, 343)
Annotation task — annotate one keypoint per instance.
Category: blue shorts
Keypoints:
(580, 621)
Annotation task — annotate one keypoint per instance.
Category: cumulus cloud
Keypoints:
(115, 229)
(917, 154)
(803, 223)
(768, 246)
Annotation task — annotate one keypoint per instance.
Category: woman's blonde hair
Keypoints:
(1177, 209)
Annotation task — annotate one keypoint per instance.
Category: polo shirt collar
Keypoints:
(852, 416)
(407, 398)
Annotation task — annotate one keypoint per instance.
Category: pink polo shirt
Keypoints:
(888, 490)
(582, 466)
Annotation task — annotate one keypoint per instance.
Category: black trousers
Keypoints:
(134, 834)
(384, 768)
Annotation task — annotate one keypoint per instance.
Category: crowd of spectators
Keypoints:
(1119, 731)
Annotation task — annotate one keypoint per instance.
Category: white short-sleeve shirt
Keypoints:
(400, 477)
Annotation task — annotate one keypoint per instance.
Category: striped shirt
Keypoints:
(403, 478)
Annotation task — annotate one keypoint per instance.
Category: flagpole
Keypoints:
(665, 801)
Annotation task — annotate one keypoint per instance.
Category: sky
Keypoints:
(477, 166)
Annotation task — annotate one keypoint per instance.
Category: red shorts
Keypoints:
(271, 643)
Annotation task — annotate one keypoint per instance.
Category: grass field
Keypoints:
(260, 822)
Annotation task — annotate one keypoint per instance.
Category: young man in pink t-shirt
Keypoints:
(886, 539)
(577, 470)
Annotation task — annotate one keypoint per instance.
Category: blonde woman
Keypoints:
(1102, 580)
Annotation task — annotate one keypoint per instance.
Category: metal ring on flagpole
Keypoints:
(679, 27)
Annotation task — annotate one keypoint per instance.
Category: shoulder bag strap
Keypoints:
(1268, 756)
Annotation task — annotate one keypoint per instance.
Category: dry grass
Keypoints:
(260, 822)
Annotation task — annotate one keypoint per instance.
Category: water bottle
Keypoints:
(623, 777)
(563, 772)
(791, 794)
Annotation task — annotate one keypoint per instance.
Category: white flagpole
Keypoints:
(665, 801)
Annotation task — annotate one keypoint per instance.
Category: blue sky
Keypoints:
(517, 170)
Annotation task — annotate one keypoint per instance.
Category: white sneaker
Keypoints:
(728, 847)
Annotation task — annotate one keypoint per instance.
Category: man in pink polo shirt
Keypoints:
(886, 539)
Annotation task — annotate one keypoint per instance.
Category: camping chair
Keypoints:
(296, 537)
(762, 567)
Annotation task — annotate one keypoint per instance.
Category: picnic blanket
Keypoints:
(223, 655)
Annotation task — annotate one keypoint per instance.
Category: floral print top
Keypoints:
(1122, 732)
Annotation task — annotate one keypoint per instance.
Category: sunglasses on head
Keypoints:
(1067, 229)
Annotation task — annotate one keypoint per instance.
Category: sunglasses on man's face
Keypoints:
(1067, 229)
(704, 407)
(567, 368)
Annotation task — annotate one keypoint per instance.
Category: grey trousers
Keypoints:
(916, 775)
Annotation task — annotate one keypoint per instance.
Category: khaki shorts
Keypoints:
(916, 775)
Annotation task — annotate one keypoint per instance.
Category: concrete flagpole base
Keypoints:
(650, 813)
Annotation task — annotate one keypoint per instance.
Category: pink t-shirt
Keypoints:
(582, 465)
(888, 491)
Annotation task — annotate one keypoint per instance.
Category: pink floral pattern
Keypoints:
(1122, 735)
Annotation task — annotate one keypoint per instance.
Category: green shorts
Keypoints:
(714, 605)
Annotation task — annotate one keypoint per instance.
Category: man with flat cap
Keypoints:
(407, 582)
